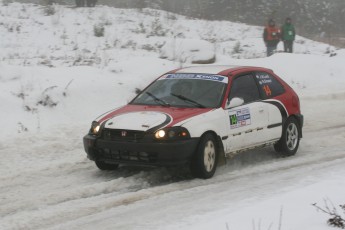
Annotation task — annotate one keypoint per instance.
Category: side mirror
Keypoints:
(236, 101)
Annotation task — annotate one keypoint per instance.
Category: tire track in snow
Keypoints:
(85, 206)
(95, 195)
(81, 181)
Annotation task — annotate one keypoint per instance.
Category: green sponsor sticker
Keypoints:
(233, 119)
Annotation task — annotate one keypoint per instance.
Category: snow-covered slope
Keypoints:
(67, 37)
(56, 76)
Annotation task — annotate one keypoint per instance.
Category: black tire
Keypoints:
(204, 162)
(289, 142)
(105, 166)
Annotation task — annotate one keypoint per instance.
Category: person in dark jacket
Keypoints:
(288, 35)
(271, 37)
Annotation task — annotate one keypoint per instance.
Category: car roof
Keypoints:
(225, 70)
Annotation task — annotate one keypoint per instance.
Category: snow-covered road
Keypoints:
(57, 187)
(46, 181)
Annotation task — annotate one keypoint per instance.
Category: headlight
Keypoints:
(160, 134)
(95, 127)
(172, 133)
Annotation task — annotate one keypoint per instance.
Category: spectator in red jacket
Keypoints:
(271, 37)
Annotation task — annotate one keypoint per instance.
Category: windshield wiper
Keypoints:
(188, 100)
(158, 100)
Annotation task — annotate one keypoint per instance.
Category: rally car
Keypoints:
(198, 116)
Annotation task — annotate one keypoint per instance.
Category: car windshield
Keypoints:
(184, 90)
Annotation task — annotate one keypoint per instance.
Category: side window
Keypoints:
(269, 85)
(244, 87)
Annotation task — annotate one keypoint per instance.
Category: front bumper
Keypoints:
(140, 153)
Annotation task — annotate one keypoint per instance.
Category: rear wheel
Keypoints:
(105, 166)
(289, 142)
(204, 162)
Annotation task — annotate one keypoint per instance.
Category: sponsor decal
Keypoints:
(263, 78)
(209, 77)
(239, 118)
(265, 81)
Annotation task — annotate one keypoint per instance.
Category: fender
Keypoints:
(215, 120)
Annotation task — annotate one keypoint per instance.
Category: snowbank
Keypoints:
(56, 77)
(189, 50)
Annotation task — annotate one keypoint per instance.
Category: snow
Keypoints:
(56, 77)
(192, 50)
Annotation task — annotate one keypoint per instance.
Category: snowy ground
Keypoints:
(56, 76)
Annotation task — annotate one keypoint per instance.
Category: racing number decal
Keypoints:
(267, 90)
(239, 118)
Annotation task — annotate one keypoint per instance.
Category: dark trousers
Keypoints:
(288, 46)
(271, 50)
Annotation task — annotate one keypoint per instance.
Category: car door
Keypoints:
(270, 88)
(248, 120)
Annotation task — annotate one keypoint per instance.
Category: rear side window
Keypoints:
(269, 86)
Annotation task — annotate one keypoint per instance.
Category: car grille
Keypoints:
(116, 155)
(121, 134)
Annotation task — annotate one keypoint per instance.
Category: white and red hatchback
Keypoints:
(198, 116)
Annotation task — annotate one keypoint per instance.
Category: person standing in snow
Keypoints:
(288, 35)
(271, 37)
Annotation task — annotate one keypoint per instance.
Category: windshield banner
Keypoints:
(208, 77)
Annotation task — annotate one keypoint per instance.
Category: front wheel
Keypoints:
(204, 162)
(289, 142)
(105, 166)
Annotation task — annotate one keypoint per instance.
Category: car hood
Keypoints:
(144, 118)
